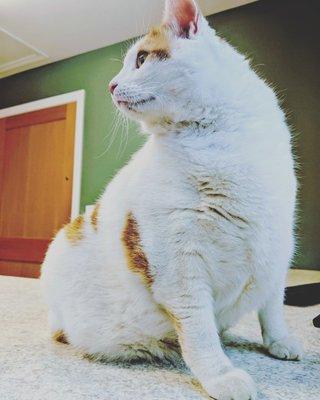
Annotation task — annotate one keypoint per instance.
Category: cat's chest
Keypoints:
(211, 197)
(218, 193)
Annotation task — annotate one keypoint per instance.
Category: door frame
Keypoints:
(78, 97)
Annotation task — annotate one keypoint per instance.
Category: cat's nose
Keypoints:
(112, 87)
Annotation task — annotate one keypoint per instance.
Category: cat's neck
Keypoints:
(219, 130)
(217, 120)
(183, 127)
(196, 120)
(199, 123)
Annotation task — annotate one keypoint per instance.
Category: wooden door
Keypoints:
(36, 168)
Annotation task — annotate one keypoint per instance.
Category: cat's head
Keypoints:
(174, 71)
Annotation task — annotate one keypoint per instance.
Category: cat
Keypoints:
(197, 229)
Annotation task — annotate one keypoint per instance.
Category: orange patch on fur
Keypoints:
(175, 321)
(60, 337)
(157, 43)
(136, 258)
(74, 230)
(248, 286)
(94, 216)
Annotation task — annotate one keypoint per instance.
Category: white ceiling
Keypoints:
(37, 32)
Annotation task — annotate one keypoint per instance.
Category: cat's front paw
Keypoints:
(286, 349)
(233, 385)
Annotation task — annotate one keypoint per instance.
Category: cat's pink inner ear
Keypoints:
(182, 16)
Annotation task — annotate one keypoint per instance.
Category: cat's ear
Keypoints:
(183, 17)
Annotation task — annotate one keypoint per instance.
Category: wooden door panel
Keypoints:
(25, 270)
(14, 182)
(23, 249)
(35, 196)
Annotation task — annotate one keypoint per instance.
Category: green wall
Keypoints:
(282, 39)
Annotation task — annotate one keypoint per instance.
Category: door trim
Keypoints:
(77, 97)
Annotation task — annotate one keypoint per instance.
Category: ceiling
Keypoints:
(38, 32)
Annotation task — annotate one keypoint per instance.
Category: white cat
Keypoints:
(198, 228)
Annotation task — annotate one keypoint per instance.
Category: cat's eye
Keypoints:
(141, 58)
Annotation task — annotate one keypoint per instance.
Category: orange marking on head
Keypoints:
(74, 230)
(157, 42)
(94, 216)
(136, 258)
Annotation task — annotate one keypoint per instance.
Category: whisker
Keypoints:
(112, 135)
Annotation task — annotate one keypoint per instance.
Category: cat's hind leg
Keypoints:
(60, 336)
(57, 332)
(276, 337)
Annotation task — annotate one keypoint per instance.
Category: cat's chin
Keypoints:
(135, 108)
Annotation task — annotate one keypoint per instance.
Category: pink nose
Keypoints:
(112, 87)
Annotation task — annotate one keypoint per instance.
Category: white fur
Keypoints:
(213, 191)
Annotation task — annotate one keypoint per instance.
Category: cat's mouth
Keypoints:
(134, 105)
